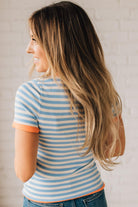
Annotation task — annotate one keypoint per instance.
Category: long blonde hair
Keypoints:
(74, 52)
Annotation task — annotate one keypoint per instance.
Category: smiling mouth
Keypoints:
(36, 60)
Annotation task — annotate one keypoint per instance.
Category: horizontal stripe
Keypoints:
(58, 165)
(36, 180)
(26, 120)
(59, 156)
(69, 138)
(59, 141)
(49, 180)
(55, 151)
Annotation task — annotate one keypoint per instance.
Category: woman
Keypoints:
(68, 117)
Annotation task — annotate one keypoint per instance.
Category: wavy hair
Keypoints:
(74, 52)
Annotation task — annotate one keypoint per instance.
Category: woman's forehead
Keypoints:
(31, 33)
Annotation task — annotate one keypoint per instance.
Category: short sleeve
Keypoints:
(26, 109)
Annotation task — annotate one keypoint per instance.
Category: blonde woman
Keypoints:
(70, 116)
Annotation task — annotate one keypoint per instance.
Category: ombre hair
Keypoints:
(74, 52)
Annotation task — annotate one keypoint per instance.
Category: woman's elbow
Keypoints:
(24, 177)
(23, 174)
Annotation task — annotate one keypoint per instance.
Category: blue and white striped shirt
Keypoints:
(42, 106)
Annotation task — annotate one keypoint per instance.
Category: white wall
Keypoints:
(116, 22)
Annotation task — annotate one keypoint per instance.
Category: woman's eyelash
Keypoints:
(33, 39)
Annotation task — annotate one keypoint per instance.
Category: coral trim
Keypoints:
(25, 127)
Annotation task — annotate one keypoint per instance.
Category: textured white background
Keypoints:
(116, 22)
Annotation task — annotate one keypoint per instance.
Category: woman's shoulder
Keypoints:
(30, 87)
(35, 83)
(36, 86)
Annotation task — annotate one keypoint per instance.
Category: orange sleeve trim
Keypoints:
(25, 127)
(72, 198)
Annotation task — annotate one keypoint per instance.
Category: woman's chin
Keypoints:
(39, 69)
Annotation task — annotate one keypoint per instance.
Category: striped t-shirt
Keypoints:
(62, 173)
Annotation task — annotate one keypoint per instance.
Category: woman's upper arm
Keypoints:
(26, 146)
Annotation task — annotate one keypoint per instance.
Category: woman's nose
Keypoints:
(29, 48)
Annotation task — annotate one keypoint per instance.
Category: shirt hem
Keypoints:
(100, 189)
